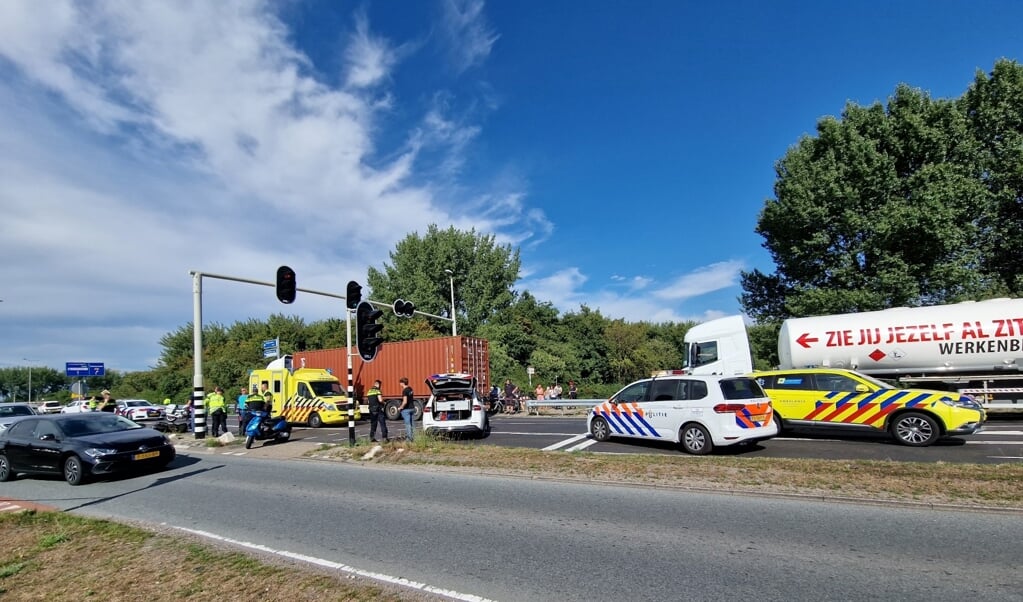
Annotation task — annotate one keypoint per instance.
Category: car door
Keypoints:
(839, 399)
(43, 452)
(792, 395)
(19, 436)
(667, 406)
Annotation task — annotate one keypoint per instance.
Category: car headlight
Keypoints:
(963, 401)
(96, 452)
(330, 407)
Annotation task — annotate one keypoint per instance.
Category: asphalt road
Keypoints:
(1000, 442)
(477, 537)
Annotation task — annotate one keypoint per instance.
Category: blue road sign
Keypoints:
(84, 369)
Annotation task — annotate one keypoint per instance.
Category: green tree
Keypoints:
(994, 110)
(882, 208)
(483, 273)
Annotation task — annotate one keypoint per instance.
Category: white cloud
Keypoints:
(704, 280)
(142, 139)
(469, 37)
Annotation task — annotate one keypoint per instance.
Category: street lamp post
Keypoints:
(454, 325)
(29, 378)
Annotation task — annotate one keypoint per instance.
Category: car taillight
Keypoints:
(476, 407)
(426, 409)
(728, 408)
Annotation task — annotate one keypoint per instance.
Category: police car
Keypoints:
(454, 406)
(849, 400)
(697, 412)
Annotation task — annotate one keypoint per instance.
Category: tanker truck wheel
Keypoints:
(915, 429)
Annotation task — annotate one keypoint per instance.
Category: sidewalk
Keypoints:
(295, 448)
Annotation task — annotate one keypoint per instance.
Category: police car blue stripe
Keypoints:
(615, 421)
(629, 417)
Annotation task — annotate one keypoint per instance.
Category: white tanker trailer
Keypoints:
(974, 347)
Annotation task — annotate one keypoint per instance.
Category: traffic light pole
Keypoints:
(198, 396)
(351, 381)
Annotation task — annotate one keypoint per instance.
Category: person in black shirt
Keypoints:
(408, 407)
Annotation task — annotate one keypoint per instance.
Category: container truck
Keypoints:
(974, 348)
(417, 360)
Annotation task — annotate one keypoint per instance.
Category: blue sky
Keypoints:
(626, 148)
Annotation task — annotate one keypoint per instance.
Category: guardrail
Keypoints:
(534, 405)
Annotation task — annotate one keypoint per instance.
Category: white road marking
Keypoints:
(564, 443)
(582, 445)
(447, 593)
(9, 507)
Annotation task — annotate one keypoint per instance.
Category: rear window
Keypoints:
(741, 388)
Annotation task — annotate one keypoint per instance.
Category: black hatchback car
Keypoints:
(78, 446)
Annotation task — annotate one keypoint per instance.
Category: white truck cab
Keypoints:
(718, 347)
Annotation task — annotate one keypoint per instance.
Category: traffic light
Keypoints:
(368, 330)
(354, 294)
(404, 309)
(286, 284)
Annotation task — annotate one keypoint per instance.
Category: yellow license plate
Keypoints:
(146, 455)
(758, 417)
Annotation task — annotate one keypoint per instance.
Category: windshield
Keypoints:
(135, 404)
(101, 423)
(326, 388)
(15, 411)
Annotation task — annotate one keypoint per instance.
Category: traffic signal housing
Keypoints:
(354, 294)
(368, 330)
(286, 287)
(404, 309)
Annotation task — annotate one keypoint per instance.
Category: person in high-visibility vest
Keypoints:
(93, 404)
(218, 412)
(377, 415)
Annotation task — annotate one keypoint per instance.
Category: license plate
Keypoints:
(146, 455)
(758, 417)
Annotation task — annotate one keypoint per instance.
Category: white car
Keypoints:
(697, 412)
(454, 406)
(76, 406)
(49, 407)
(139, 410)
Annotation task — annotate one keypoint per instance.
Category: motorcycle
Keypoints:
(264, 428)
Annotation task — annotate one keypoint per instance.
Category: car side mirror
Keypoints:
(48, 437)
(862, 389)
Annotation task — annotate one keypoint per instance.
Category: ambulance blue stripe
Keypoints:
(917, 400)
(884, 404)
(870, 398)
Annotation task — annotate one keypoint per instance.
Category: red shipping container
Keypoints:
(416, 360)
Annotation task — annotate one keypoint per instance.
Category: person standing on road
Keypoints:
(243, 413)
(218, 411)
(407, 407)
(377, 415)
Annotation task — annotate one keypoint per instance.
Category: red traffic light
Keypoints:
(286, 287)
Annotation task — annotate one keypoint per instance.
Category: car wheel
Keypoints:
(392, 411)
(781, 423)
(600, 429)
(248, 441)
(915, 429)
(486, 428)
(74, 472)
(314, 420)
(695, 440)
(6, 474)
